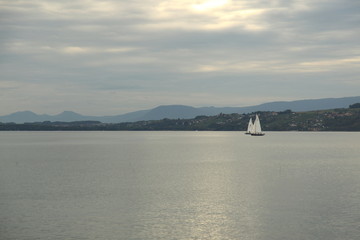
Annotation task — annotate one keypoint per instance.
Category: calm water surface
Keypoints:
(179, 185)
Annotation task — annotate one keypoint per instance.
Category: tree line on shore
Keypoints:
(344, 119)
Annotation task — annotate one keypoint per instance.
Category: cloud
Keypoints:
(76, 50)
(177, 49)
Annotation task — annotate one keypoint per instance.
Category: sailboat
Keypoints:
(250, 127)
(256, 130)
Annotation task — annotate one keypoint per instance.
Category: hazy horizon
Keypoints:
(151, 108)
(105, 57)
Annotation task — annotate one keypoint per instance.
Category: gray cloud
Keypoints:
(107, 57)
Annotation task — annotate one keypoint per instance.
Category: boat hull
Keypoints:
(257, 134)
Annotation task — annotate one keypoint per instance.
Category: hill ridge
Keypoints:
(183, 111)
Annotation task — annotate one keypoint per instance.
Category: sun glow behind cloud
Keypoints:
(208, 5)
(206, 16)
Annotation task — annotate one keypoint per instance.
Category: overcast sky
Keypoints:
(111, 57)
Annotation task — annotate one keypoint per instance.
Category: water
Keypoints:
(179, 185)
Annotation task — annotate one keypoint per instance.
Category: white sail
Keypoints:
(250, 126)
(257, 127)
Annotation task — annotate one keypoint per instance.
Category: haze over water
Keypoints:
(179, 185)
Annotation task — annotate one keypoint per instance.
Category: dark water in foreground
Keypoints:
(179, 185)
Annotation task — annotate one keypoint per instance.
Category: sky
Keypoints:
(111, 57)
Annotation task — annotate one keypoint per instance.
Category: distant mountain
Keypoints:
(128, 117)
(28, 116)
(172, 112)
(305, 105)
(184, 112)
(24, 116)
(68, 116)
